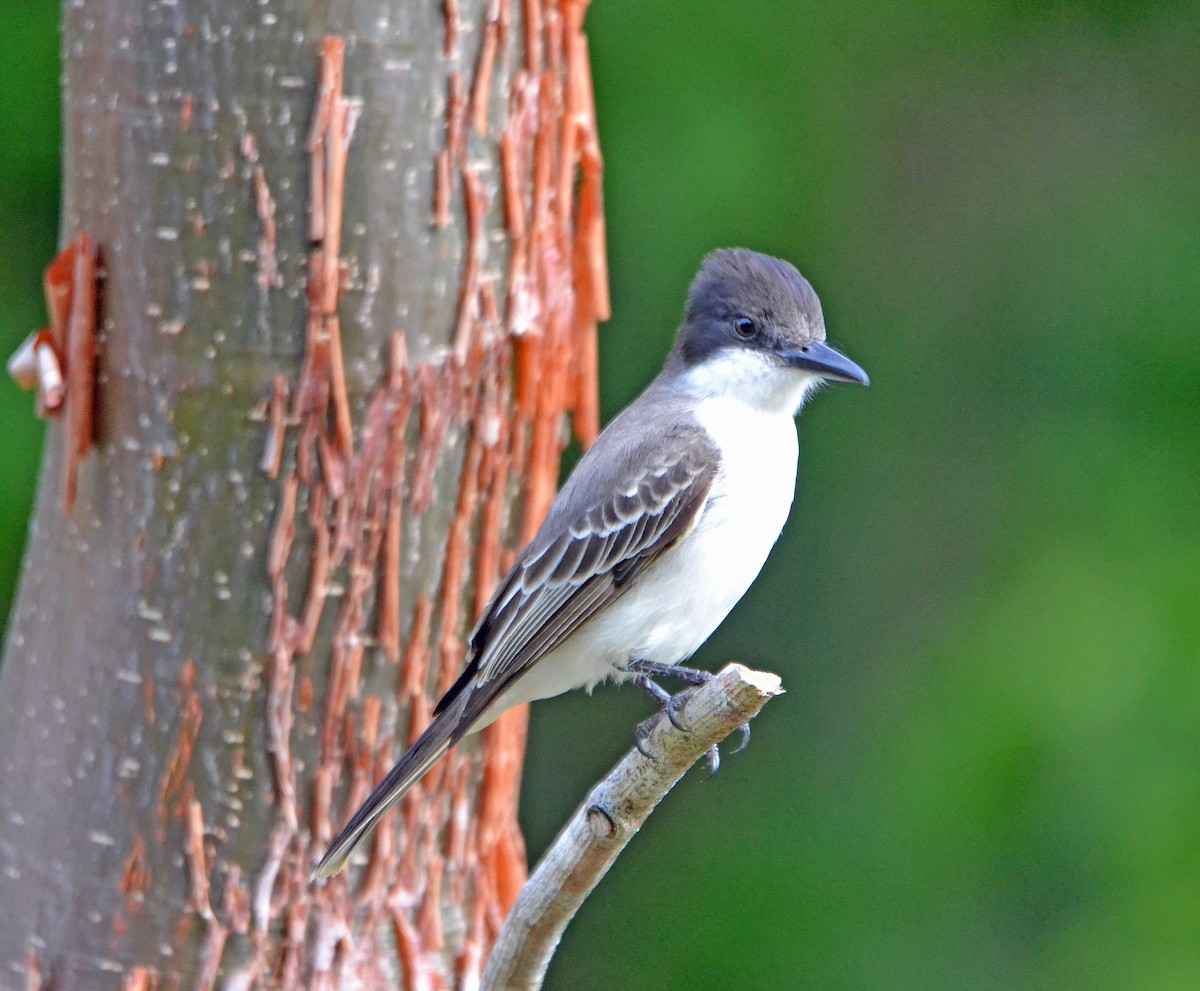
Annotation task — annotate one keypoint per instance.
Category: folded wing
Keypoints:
(601, 535)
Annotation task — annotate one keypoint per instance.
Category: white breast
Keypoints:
(746, 510)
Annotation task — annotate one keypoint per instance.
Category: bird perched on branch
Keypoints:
(661, 527)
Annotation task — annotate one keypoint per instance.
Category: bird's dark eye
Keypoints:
(745, 327)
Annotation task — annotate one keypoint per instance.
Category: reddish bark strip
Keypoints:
(453, 154)
(482, 91)
(456, 119)
(533, 35)
(236, 901)
(61, 361)
(337, 376)
(320, 824)
(138, 979)
(450, 642)
(335, 148)
(408, 950)
(148, 700)
(333, 56)
(57, 283)
(590, 226)
(514, 193)
(318, 587)
(468, 313)
(415, 669)
(393, 477)
(435, 404)
(264, 203)
(210, 955)
(180, 759)
(389, 596)
(285, 528)
(40, 362)
(450, 7)
(33, 971)
(80, 366)
(197, 860)
(136, 876)
(272, 456)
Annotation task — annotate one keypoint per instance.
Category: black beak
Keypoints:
(821, 359)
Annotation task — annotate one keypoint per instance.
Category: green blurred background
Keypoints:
(986, 609)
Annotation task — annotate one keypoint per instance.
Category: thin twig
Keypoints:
(615, 810)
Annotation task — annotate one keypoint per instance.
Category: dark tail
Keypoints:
(440, 736)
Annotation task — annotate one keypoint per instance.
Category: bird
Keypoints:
(661, 527)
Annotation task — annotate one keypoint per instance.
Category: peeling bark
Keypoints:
(352, 264)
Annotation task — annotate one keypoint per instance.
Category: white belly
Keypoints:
(678, 602)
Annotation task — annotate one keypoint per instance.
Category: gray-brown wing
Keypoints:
(599, 536)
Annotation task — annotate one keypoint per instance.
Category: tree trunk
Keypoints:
(350, 287)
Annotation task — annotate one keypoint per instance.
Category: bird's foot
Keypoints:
(667, 703)
(641, 734)
(672, 705)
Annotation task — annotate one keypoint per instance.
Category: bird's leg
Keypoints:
(671, 704)
(653, 669)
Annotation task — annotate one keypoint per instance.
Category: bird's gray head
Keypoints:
(753, 330)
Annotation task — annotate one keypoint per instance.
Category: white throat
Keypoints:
(751, 378)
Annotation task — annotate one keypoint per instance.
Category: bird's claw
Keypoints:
(713, 760)
(672, 706)
(674, 709)
(642, 733)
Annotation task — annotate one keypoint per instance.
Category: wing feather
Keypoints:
(588, 552)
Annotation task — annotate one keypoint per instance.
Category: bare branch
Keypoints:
(607, 820)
